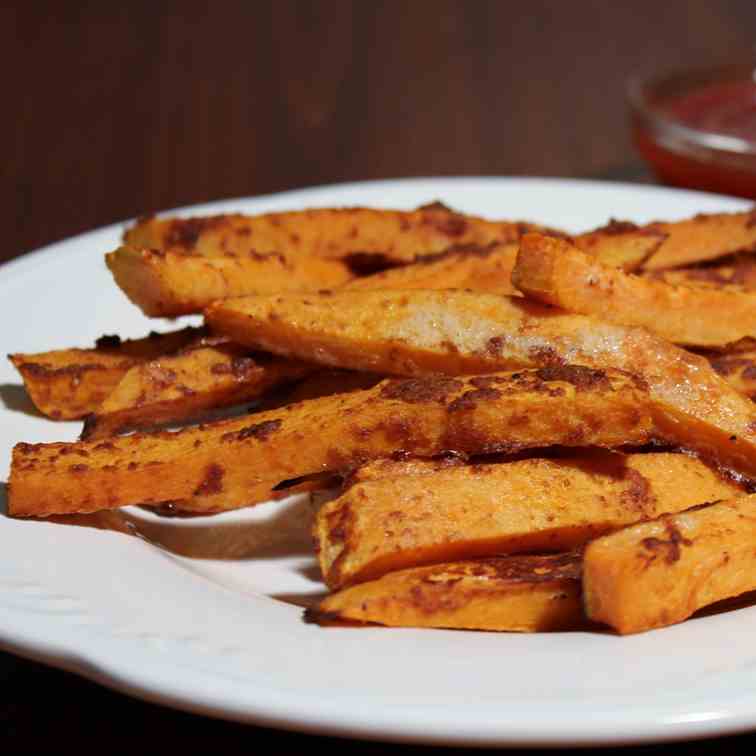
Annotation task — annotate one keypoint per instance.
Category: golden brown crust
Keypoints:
(554, 272)
(661, 572)
(736, 273)
(479, 268)
(68, 384)
(703, 237)
(517, 594)
(183, 386)
(336, 233)
(174, 266)
(171, 283)
(456, 332)
(389, 519)
(620, 244)
(233, 463)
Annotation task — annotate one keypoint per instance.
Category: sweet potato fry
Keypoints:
(530, 505)
(733, 273)
(703, 237)
(514, 593)
(67, 384)
(554, 272)
(457, 332)
(184, 385)
(234, 463)
(359, 236)
(620, 244)
(177, 266)
(171, 283)
(461, 267)
(659, 573)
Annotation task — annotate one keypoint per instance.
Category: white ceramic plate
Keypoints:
(209, 623)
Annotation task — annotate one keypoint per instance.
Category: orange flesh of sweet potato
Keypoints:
(620, 245)
(69, 383)
(554, 272)
(703, 237)
(457, 332)
(233, 463)
(472, 267)
(733, 273)
(172, 267)
(531, 505)
(181, 386)
(395, 235)
(509, 593)
(170, 283)
(659, 573)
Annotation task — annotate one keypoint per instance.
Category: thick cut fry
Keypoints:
(489, 268)
(738, 369)
(554, 272)
(184, 385)
(457, 332)
(519, 594)
(69, 383)
(531, 505)
(620, 244)
(732, 273)
(661, 572)
(468, 267)
(234, 463)
(176, 266)
(171, 283)
(357, 235)
(703, 237)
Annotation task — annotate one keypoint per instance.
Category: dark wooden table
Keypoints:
(113, 110)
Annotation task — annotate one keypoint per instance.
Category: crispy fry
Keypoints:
(360, 233)
(659, 573)
(462, 267)
(519, 594)
(456, 332)
(176, 266)
(554, 272)
(620, 244)
(233, 463)
(171, 283)
(703, 237)
(733, 273)
(406, 519)
(184, 385)
(69, 383)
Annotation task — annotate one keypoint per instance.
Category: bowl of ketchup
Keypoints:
(697, 128)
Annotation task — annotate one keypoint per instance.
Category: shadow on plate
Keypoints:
(305, 600)
(14, 398)
(283, 534)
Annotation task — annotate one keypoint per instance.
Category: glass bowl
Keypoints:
(697, 128)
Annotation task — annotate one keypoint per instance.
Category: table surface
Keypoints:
(116, 110)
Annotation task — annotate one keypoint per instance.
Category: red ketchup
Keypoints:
(724, 109)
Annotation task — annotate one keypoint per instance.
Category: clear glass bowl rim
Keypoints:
(672, 133)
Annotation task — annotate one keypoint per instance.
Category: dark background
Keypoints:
(110, 111)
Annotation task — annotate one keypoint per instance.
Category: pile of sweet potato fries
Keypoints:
(532, 431)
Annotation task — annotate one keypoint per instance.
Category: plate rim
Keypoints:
(92, 667)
